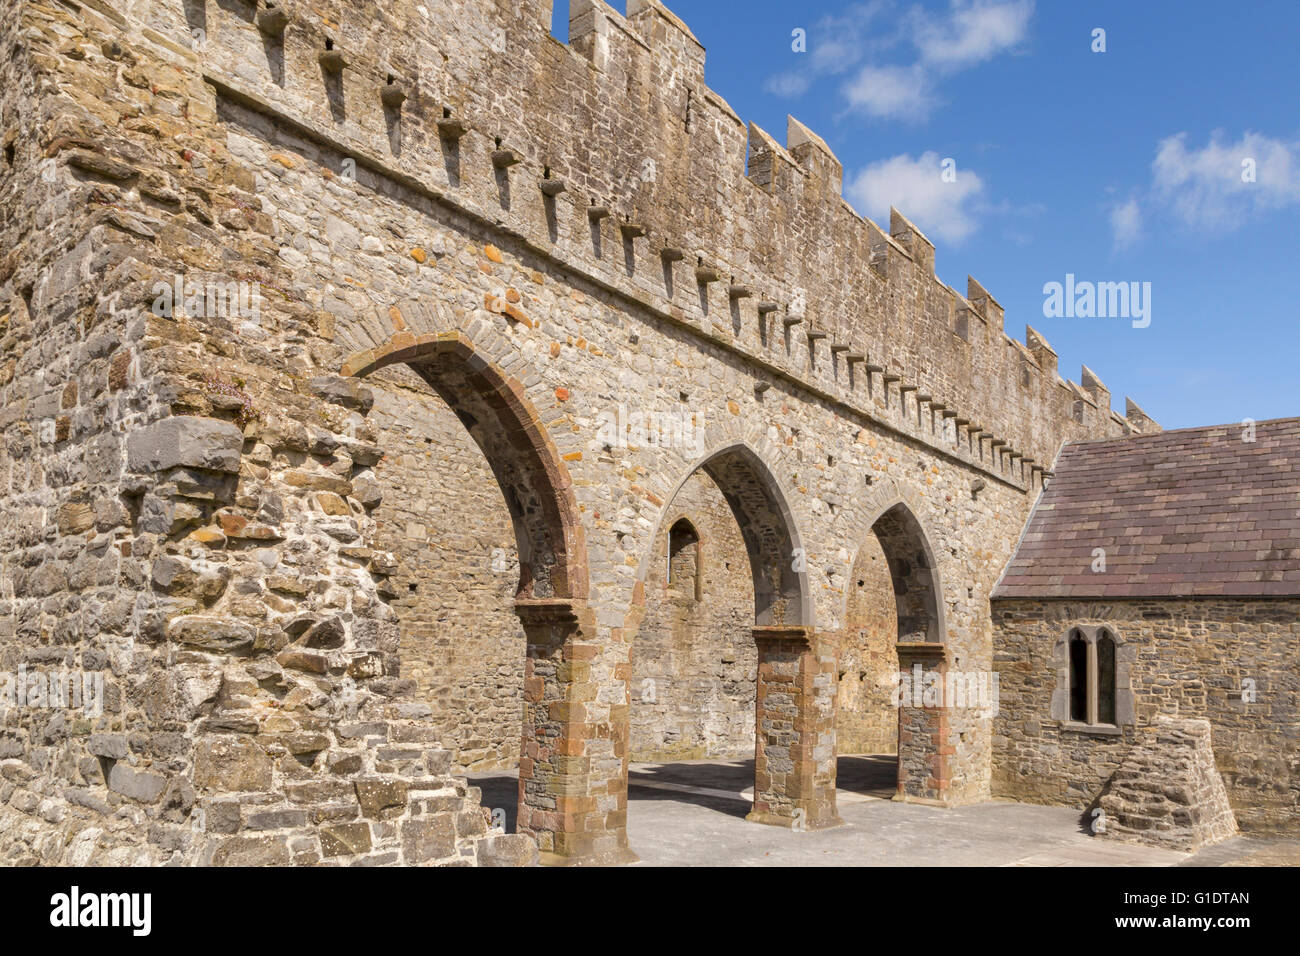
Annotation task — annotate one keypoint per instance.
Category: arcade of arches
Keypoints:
(718, 575)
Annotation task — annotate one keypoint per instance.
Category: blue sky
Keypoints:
(1116, 166)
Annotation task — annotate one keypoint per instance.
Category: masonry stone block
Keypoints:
(185, 441)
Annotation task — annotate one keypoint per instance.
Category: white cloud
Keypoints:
(1223, 183)
(927, 45)
(835, 44)
(1126, 223)
(969, 33)
(915, 186)
(973, 32)
(890, 92)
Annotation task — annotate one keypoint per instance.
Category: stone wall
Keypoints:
(444, 518)
(698, 651)
(1193, 658)
(77, 537)
(203, 502)
(866, 716)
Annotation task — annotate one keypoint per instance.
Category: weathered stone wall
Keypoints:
(239, 577)
(232, 619)
(1191, 658)
(76, 541)
(444, 518)
(697, 652)
(866, 716)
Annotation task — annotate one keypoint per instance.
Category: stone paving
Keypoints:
(693, 813)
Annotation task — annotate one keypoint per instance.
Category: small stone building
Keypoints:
(1158, 575)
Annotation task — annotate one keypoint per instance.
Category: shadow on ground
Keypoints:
(721, 786)
(874, 775)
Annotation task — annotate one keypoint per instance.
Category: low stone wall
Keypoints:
(386, 798)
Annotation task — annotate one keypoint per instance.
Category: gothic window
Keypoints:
(1088, 669)
(684, 558)
(1078, 677)
(1105, 678)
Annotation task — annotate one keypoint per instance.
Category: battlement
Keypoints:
(612, 155)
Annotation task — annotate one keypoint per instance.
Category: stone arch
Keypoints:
(891, 514)
(794, 773)
(918, 592)
(551, 598)
(496, 412)
(761, 507)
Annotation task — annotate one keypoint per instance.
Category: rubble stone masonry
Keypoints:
(1228, 661)
(330, 542)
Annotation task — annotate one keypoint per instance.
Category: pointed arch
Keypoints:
(761, 508)
(913, 571)
(503, 423)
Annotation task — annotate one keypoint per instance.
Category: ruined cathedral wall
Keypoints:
(219, 521)
(1230, 661)
(78, 617)
(186, 504)
(622, 118)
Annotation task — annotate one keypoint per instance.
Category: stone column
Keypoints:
(569, 806)
(794, 754)
(923, 744)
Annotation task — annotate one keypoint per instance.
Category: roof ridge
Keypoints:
(1151, 436)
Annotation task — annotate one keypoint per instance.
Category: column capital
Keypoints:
(560, 611)
(931, 651)
(801, 634)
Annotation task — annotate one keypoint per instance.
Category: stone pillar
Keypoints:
(923, 744)
(794, 754)
(573, 813)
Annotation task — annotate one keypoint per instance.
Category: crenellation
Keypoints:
(825, 172)
(1094, 387)
(919, 248)
(1139, 420)
(669, 37)
(1042, 352)
(985, 305)
(813, 155)
(603, 36)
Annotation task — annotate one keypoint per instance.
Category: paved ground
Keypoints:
(692, 813)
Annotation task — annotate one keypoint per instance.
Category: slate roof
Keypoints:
(1196, 511)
